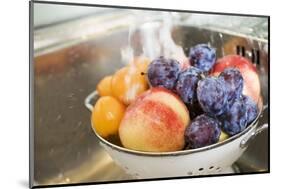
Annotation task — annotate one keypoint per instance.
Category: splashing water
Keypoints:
(155, 36)
(170, 49)
(149, 37)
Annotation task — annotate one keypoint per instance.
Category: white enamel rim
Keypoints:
(246, 132)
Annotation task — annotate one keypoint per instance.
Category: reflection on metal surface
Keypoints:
(86, 171)
(56, 37)
(66, 149)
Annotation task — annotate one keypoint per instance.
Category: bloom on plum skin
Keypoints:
(251, 108)
(234, 120)
(204, 130)
(203, 57)
(163, 72)
(234, 82)
(186, 85)
(212, 95)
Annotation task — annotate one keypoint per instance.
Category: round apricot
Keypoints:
(107, 115)
(141, 63)
(127, 83)
(104, 86)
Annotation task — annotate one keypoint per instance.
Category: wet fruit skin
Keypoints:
(186, 85)
(186, 88)
(251, 108)
(163, 72)
(141, 63)
(203, 57)
(203, 131)
(107, 115)
(127, 83)
(234, 120)
(155, 122)
(234, 82)
(212, 95)
(249, 73)
(104, 86)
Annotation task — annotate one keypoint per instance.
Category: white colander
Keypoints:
(212, 159)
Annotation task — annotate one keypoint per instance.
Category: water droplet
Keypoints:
(58, 117)
(60, 176)
(79, 123)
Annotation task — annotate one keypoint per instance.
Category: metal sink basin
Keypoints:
(65, 148)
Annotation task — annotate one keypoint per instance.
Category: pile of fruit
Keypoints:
(164, 105)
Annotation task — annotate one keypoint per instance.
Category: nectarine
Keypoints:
(155, 122)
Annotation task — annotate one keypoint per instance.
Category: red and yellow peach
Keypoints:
(155, 122)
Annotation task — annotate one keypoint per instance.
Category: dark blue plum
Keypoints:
(212, 95)
(234, 120)
(234, 82)
(186, 85)
(251, 108)
(203, 131)
(163, 72)
(203, 57)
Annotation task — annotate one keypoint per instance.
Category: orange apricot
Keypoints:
(104, 86)
(127, 83)
(107, 115)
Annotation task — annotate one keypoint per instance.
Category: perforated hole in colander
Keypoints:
(218, 169)
(211, 167)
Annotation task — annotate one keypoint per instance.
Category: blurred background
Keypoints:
(60, 13)
(76, 46)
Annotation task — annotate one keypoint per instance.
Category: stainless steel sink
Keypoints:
(65, 148)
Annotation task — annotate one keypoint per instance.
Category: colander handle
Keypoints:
(246, 141)
(88, 100)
